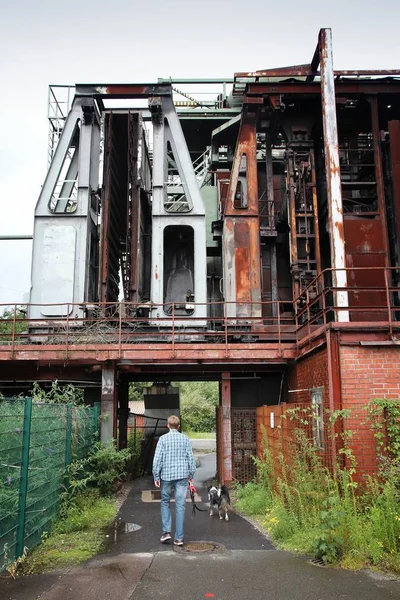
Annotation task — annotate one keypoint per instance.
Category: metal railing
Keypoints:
(369, 304)
(123, 325)
(126, 325)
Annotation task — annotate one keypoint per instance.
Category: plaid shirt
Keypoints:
(173, 458)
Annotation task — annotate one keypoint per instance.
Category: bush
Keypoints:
(104, 469)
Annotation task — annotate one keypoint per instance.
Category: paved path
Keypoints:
(136, 566)
(204, 444)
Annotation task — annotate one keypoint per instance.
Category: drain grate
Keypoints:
(200, 547)
(317, 562)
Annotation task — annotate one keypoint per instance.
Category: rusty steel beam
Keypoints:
(332, 170)
(380, 183)
(122, 90)
(314, 65)
(342, 88)
(133, 207)
(198, 354)
(394, 141)
(294, 71)
(241, 239)
(311, 71)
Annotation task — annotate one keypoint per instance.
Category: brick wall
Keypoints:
(307, 373)
(367, 373)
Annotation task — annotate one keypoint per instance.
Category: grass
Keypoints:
(76, 536)
(252, 499)
(198, 435)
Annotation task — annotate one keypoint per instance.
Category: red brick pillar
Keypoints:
(226, 475)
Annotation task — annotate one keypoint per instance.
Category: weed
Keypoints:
(328, 545)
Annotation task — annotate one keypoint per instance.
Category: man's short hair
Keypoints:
(173, 422)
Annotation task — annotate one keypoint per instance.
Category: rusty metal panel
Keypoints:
(243, 290)
(364, 235)
(244, 444)
(365, 248)
(241, 235)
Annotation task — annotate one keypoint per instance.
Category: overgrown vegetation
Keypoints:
(12, 320)
(90, 481)
(333, 515)
(88, 507)
(104, 469)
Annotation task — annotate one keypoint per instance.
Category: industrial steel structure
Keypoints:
(237, 229)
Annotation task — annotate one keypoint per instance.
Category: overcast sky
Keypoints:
(44, 42)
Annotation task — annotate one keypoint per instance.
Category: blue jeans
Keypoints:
(180, 486)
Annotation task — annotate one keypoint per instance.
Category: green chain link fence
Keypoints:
(37, 443)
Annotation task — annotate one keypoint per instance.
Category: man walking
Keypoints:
(173, 468)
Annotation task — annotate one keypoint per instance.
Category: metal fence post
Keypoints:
(96, 418)
(23, 489)
(68, 443)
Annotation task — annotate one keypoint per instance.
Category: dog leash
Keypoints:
(193, 491)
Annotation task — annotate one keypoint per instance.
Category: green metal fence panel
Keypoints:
(37, 442)
(24, 478)
(11, 440)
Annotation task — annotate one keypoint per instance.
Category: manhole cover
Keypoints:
(199, 547)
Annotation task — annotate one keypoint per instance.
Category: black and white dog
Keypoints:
(218, 497)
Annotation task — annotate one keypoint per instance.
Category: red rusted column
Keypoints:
(332, 169)
(226, 475)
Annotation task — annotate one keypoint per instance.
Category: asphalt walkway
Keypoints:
(241, 565)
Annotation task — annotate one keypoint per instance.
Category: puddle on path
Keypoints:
(120, 527)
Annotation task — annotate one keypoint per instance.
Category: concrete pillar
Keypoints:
(226, 475)
(123, 414)
(332, 170)
(108, 409)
